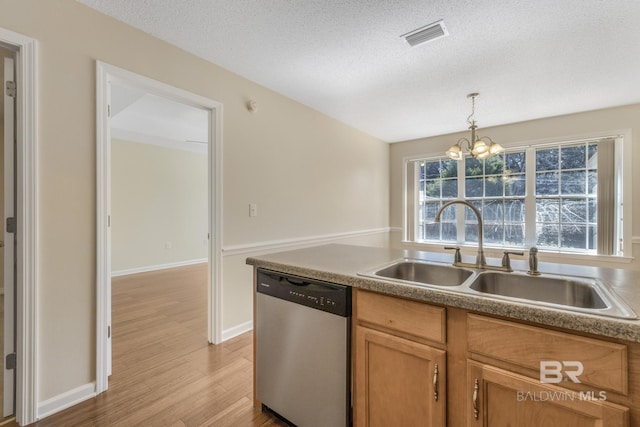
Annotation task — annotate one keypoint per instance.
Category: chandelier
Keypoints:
(479, 147)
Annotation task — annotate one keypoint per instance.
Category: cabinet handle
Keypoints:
(435, 383)
(476, 412)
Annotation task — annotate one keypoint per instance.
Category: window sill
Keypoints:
(543, 255)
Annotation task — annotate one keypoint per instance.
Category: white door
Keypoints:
(9, 238)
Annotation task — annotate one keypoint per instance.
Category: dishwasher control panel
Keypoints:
(325, 296)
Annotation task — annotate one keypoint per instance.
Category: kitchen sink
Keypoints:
(421, 272)
(574, 293)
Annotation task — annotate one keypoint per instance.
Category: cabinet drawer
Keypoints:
(414, 318)
(604, 363)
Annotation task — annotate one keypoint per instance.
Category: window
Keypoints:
(438, 184)
(562, 197)
(566, 200)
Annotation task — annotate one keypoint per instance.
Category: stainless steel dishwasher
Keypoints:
(302, 348)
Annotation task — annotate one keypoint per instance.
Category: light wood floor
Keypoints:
(2, 357)
(2, 419)
(164, 371)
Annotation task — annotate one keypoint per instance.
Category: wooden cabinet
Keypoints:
(488, 370)
(399, 382)
(573, 392)
(399, 379)
(497, 397)
(603, 365)
(412, 319)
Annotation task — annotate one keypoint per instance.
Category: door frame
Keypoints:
(27, 223)
(105, 74)
(8, 259)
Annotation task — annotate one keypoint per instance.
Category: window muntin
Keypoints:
(543, 196)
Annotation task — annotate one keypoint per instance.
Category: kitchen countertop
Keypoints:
(341, 264)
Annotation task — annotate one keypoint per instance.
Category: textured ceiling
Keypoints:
(528, 59)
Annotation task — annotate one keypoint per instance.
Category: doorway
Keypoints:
(159, 182)
(111, 78)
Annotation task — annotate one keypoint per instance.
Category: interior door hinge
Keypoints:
(108, 110)
(10, 361)
(12, 225)
(109, 331)
(11, 89)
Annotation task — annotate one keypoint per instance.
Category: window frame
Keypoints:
(623, 145)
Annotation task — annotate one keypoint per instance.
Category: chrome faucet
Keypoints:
(481, 261)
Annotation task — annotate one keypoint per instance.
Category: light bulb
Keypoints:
(495, 148)
(454, 152)
(479, 147)
(483, 155)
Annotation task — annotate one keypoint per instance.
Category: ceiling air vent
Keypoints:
(426, 33)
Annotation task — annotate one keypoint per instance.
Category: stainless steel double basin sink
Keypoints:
(582, 294)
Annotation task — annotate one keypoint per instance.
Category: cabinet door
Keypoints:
(500, 398)
(398, 382)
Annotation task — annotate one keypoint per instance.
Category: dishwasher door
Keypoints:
(302, 362)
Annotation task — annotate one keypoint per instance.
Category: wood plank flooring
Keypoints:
(164, 371)
(3, 420)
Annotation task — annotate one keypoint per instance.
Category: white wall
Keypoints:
(159, 206)
(309, 174)
(561, 127)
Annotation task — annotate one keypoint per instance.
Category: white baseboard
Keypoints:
(66, 400)
(237, 330)
(157, 267)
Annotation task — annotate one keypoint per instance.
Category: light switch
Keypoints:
(253, 209)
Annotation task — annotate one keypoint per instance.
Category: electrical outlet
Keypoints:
(167, 244)
(253, 209)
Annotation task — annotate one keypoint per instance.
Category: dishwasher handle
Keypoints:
(297, 281)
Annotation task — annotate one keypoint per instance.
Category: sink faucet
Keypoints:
(481, 261)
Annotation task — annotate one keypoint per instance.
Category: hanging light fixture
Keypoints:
(480, 147)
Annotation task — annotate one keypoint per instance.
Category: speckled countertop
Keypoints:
(343, 263)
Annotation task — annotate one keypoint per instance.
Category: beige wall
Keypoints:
(309, 174)
(569, 126)
(158, 195)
